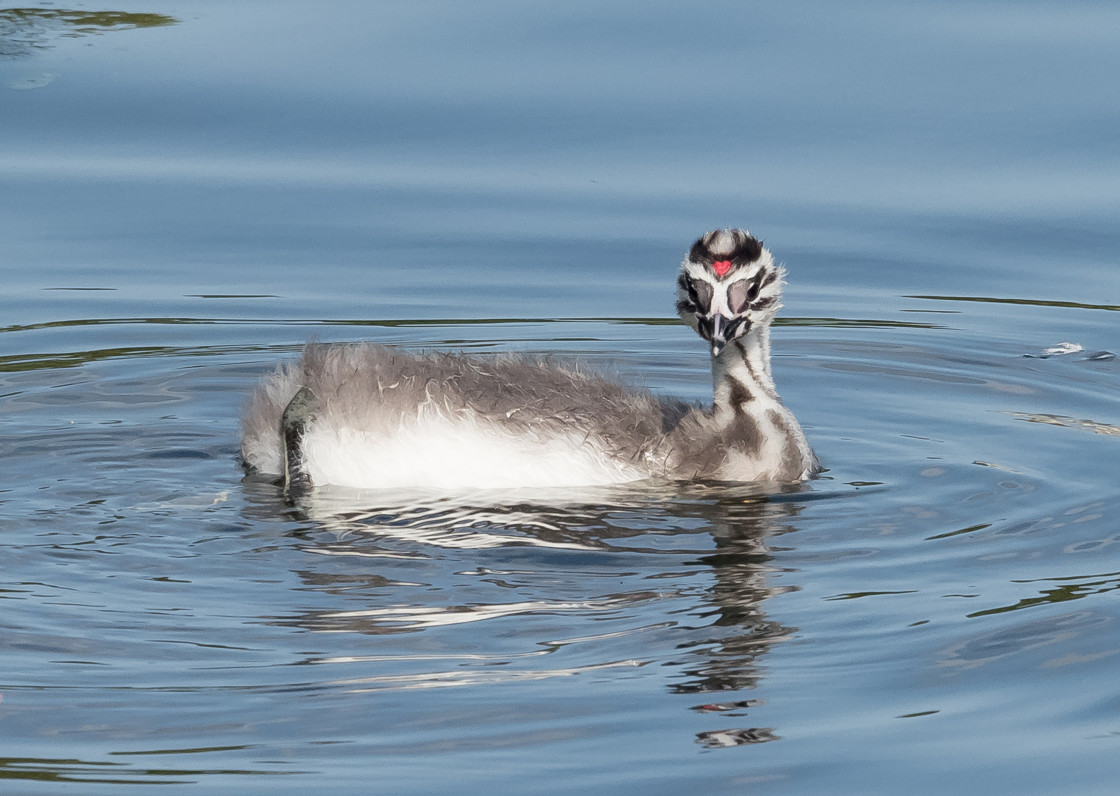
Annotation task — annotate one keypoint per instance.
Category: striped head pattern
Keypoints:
(728, 285)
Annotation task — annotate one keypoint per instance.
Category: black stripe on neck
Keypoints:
(740, 393)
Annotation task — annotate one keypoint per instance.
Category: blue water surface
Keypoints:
(190, 191)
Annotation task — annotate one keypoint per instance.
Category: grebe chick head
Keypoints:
(728, 287)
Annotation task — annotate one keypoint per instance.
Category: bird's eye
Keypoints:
(700, 293)
(738, 296)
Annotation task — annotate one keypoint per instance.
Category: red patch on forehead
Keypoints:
(721, 267)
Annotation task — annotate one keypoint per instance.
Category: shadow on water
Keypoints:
(25, 31)
(100, 772)
(390, 323)
(1075, 305)
(66, 359)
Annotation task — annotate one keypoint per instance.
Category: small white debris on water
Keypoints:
(1064, 348)
(1061, 349)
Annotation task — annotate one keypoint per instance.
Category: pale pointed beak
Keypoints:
(724, 330)
(719, 324)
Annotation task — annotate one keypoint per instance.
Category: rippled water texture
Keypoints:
(190, 191)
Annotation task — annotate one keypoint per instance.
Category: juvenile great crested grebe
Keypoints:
(368, 416)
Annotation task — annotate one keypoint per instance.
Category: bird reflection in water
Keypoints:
(690, 568)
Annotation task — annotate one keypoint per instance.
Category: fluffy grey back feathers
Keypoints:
(373, 389)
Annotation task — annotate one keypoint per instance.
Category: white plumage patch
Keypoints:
(461, 453)
(387, 419)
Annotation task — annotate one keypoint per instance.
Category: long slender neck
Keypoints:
(748, 435)
(741, 372)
